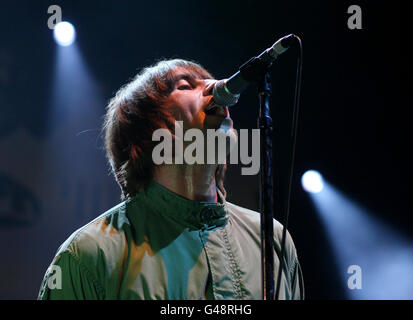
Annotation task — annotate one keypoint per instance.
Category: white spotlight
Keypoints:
(64, 33)
(312, 181)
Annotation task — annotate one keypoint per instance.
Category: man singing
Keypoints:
(174, 236)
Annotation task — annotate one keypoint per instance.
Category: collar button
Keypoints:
(207, 214)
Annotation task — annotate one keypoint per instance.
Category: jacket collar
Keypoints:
(190, 213)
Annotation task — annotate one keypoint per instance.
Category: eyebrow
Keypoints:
(184, 76)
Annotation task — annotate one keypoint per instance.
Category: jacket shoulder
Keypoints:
(101, 238)
(250, 220)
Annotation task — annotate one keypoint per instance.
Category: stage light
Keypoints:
(64, 33)
(373, 259)
(312, 181)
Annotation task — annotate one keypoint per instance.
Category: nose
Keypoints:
(209, 85)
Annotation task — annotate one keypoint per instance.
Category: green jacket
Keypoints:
(158, 245)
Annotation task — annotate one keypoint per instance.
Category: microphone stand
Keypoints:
(266, 191)
(256, 70)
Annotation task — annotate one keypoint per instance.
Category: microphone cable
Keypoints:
(294, 131)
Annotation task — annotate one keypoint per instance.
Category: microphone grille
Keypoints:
(222, 95)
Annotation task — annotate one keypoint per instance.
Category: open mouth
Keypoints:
(216, 110)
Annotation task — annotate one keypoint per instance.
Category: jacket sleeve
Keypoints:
(292, 266)
(67, 278)
(297, 282)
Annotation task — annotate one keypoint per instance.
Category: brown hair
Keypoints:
(134, 114)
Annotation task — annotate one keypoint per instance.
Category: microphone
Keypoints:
(226, 92)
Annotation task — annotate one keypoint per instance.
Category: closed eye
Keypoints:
(184, 84)
(184, 87)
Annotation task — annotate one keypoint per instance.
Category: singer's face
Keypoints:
(189, 99)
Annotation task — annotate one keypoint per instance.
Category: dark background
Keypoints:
(353, 124)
